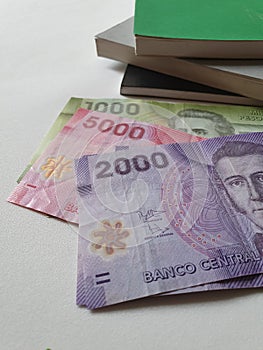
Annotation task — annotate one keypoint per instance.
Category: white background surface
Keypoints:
(47, 55)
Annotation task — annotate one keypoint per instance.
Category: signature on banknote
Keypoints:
(154, 228)
(150, 215)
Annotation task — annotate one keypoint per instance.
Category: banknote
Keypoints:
(223, 119)
(168, 217)
(49, 185)
(245, 282)
(207, 120)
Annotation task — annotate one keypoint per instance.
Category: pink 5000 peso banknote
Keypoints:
(49, 186)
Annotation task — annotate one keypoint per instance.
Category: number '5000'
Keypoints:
(121, 129)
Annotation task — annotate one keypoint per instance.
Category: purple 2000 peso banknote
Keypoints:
(49, 186)
(167, 217)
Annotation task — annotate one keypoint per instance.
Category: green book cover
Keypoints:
(200, 19)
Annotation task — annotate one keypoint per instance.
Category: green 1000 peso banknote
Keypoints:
(198, 119)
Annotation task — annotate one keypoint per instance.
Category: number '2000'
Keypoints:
(123, 166)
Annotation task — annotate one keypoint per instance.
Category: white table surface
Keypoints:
(47, 55)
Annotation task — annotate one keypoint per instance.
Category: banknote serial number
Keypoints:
(123, 166)
(120, 129)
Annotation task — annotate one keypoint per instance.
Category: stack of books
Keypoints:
(195, 50)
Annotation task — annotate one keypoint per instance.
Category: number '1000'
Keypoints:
(123, 166)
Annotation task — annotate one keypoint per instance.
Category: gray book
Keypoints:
(243, 77)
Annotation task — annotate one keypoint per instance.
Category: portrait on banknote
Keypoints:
(202, 123)
(239, 172)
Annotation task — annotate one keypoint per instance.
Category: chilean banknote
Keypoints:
(237, 119)
(245, 282)
(49, 185)
(198, 119)
(167, 217)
